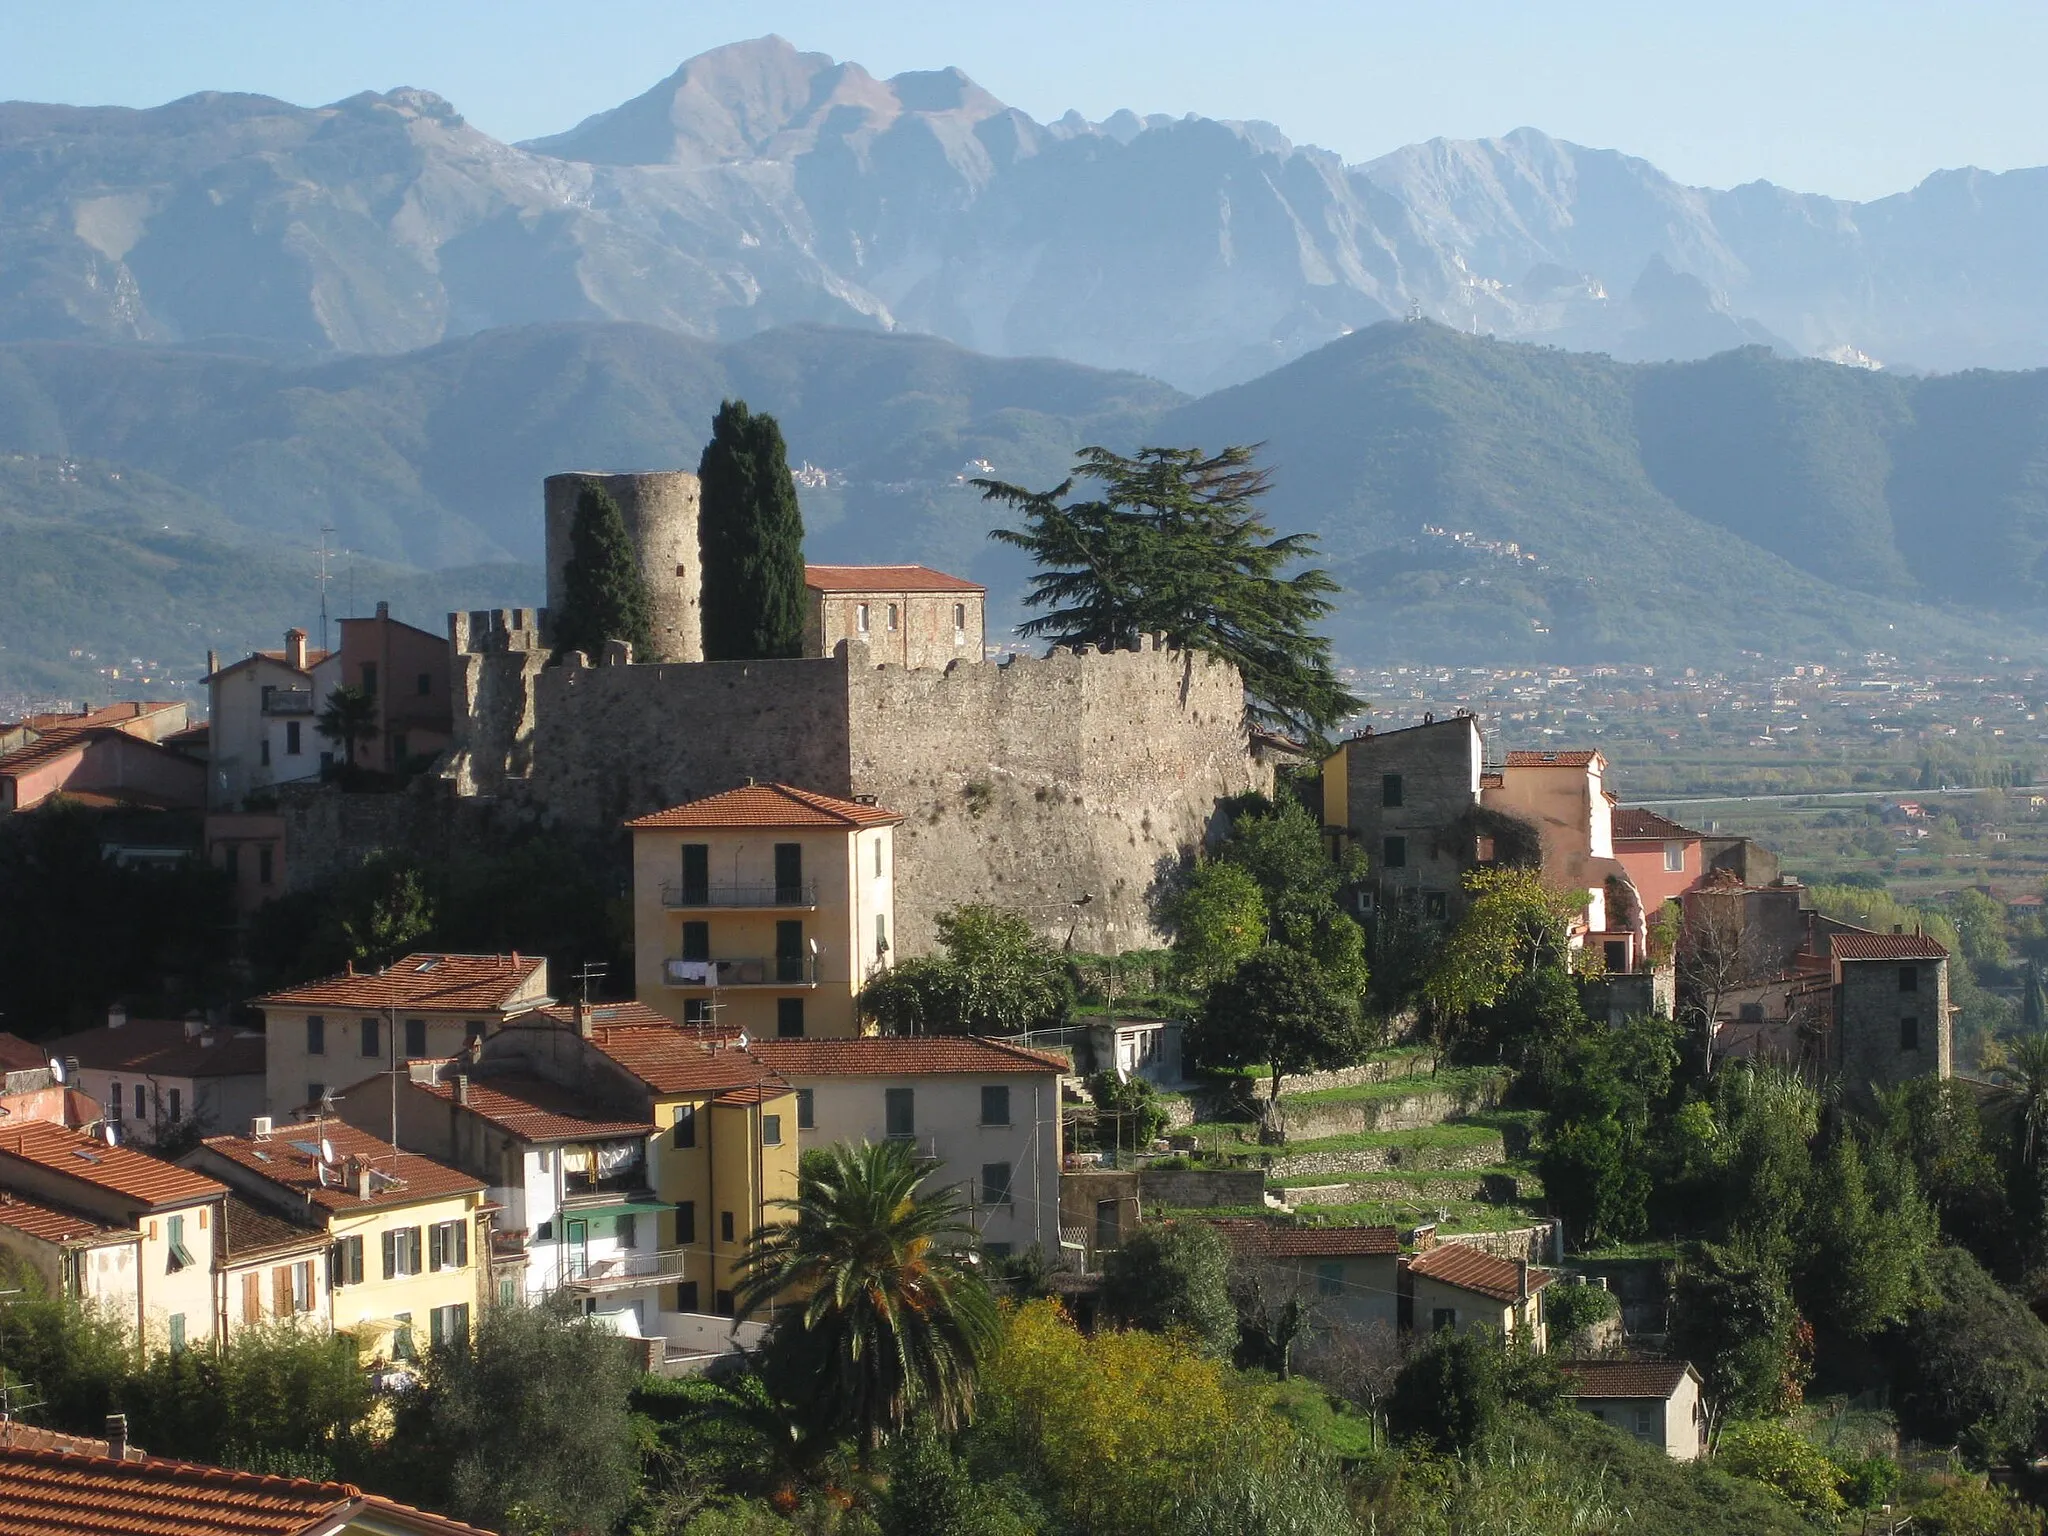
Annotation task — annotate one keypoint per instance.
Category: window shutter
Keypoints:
(434, 1244)
(390, 1255)
(461, 1230)
(252, 1297)
(281, 1290)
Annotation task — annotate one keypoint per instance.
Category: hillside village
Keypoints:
(1407, 1066)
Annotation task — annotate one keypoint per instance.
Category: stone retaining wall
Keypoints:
(1410, 1112)
(1487, 1154)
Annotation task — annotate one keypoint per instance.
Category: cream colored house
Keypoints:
(763, 910)
(272, 1270)
(985, 1113)
(171, 1214)
(1462, 1288)
(91, 1261)
(1657, 1401)
(1347, 1277)
(910, 615)
(408, 1239)
(324, 1033)
(261, 712)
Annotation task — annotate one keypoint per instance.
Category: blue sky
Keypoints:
(1853, 99)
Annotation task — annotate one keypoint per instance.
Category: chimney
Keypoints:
(1521, 1280)
(584, 1028)
(357, 1173)
(117, 1436)
(195, 1026)
(117, 1015)
(462, 1089)
(383, 610)
(295, 649)
(212, 662)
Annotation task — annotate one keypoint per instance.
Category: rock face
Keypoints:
(759, 185)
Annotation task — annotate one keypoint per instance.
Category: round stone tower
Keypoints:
(660, 509)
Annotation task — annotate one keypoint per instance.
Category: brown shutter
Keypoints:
(252, 1297)
(281, 1289)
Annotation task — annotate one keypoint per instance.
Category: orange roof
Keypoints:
(428, 982)
(901, 1056)
(1634, 822)
(17, 1436)
(672, 1060)
(149, 1181)
(532, 1108)
(753, 1093)
(290, 1160)
(885, 578)
(248, 1231)
(19, 1055)
(769, 805)
(48, 1222)
(314, 656)
(637, 1014)
(1551, 759)
(1626, 1378)
(63, 1493)
(50, 746)
(1885, 946)
(163, 1048)
(1271, 1240)
(1469, 1269)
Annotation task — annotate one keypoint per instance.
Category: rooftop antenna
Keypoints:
(583, 978)
(324, 531)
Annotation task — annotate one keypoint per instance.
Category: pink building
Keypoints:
(1664, 859)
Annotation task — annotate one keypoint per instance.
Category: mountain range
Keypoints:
(1481, 501)
(760, 186)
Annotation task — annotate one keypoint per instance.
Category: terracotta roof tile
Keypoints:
(162, 1047)
(1470, 1269)
(51, 1223)
(640, 1015)
(1273, 1240)
(19, 1055)
(885, 578)
(48, 748)
(533, 1109)
(1885, 946)
(249, 1230)
(769, 805)
(1578, 759)
(148, 1181)
(432, 983)
(282, 1161)
(1626, 1378)
(1633, 822)
(672, 1060)
(17, 1436)
(62, 1493)
(902, 1056)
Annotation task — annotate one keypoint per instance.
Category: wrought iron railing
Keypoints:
(750, 971)
(684, 893)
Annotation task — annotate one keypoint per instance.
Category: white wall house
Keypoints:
(987, 1114)
(261, 712)
(156, 1076)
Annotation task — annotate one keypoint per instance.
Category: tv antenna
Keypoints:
(583, 978)
(324, 531)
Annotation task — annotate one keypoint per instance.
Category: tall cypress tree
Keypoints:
(604, 595)
(752, 535)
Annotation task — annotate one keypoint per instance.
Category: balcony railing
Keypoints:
(755, 971)
(625, 1272)
(735, 895)
(288, 701)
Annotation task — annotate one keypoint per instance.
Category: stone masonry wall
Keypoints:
(1032, 784)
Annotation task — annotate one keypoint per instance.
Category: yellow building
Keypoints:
(324, 1033)
(724, 1149)
(172, 1214)
(407, 1238)
(763, 910)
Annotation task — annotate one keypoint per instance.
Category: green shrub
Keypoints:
(1972, 1509)
(1781, 1459)
(1570, 1310)
(1131, 1111)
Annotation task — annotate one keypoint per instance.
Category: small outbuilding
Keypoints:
(1657, 1401)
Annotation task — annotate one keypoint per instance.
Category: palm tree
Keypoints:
(350, 717)
(882, 1314)
(2025, 1073)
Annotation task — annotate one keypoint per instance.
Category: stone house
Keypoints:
(169, 1218)
(1657, 1401)
(907, 614)
(1454, 1286)
(1347, 1276)
(427, 1006)
(764, 909)
(987, 1114)
(156, 1076)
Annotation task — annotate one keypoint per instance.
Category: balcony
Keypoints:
(287, 701)
(734, 896)
(757, 971)
(626, 1272)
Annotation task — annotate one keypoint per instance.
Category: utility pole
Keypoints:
(324, 531)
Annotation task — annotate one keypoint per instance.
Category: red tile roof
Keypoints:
(638, 1014)
(1633, 822)
(1626, 1378)
(534, 1109)
(163, 1048)
(148, 1181)
(1551, 759)
(1273, 1240)
(430, 983)
(769, 805)
(19, 1055)
(753, 1093)
(63, 1493)
(1470, 1269)
(48, 1222)
(902, 1056)
(314, 656)
(885, 578)
(1885, 946)
(672, 1060)
(17, 1436)
(248, 1230)
(283, 1161)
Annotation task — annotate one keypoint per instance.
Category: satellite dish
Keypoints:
(814, 949)
(326, 1151)
(111, 1134)
(743, 1040)
(320, 1171)
(57, 1069)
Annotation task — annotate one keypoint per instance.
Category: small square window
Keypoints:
(1390, 790)
(1674, 858)
(892, 618)
(1442, 1319)
(316, 1035)
(771, 1130)
(1909, 1034)
(1394, 853)
(686, 1125)
(899, 1109)
(789, 1018)
(806, 1110)
(367, 1030)
(995, 1183)
(725, 1226)
(686, 1296)
(415, 1038)
(696, 941)
(292, 739)
(860, 617)
(995, 1104)
(1330, 1279)
(1909, 978)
